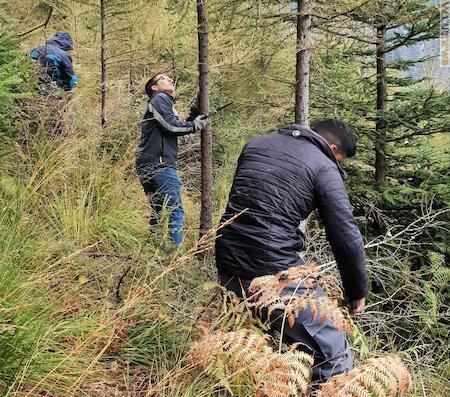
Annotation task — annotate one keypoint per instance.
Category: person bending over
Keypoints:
(280, 179)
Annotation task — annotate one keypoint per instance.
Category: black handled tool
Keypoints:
(219, 109)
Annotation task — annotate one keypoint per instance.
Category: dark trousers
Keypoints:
(328, 346)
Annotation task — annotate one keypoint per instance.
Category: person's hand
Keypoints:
(200, 122)
(355, 306)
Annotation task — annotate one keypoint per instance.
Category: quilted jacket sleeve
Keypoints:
(341, 230)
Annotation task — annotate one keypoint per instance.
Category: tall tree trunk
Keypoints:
(75, 28)
(102, 59)
(302, 63)
(206, 137)
(380, 126)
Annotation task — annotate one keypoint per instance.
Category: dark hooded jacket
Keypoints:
(280, 179)
(161, 128)
(54, 57)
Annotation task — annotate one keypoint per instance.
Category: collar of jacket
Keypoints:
(300, 132)
(164, 93)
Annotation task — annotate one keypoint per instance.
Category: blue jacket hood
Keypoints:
(62, 40)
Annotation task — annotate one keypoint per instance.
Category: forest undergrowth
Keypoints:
(93, 304)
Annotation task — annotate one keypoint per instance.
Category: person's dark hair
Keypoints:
(149, 84)
(337, 132)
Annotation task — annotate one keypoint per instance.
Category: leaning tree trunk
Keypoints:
(302, 63)
(380, 126)
(206, 137)
(103, 59)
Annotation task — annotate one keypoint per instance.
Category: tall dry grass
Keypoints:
(73, 223)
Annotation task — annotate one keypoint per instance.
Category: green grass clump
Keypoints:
(72, 224)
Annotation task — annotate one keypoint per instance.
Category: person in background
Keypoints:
(156, 153)
(56, 61)
(280, 179)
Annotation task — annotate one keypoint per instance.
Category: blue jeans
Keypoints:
(327, 345)
(163, 187)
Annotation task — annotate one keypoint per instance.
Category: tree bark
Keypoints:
(103, 60)
(75, 29)
(382, 104)
(302, 63)
(206, 134)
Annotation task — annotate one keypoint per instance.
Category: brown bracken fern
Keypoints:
(377, 377)
(267, 294)
(227, 355)
(332, 287)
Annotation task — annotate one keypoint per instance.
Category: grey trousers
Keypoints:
(328, 346)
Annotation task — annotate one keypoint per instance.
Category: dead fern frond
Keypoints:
(210, 346)
(307, 275)
(377, 377)
(332, 287)
(266, 290)
(267, 294)
(224, 355)
(234, 314)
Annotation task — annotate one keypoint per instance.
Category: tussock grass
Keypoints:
(73, 220)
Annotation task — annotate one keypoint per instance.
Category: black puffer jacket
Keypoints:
(280, 180)
(161, 128)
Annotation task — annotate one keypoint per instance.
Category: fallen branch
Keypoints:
(50, 12)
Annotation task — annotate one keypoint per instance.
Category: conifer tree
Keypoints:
(206, 137)
(13, 71)
(393, 25)
(302, 62)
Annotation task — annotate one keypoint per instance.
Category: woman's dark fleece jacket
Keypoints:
(279, 181)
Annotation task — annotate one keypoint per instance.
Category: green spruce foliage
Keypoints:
(14, 70)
